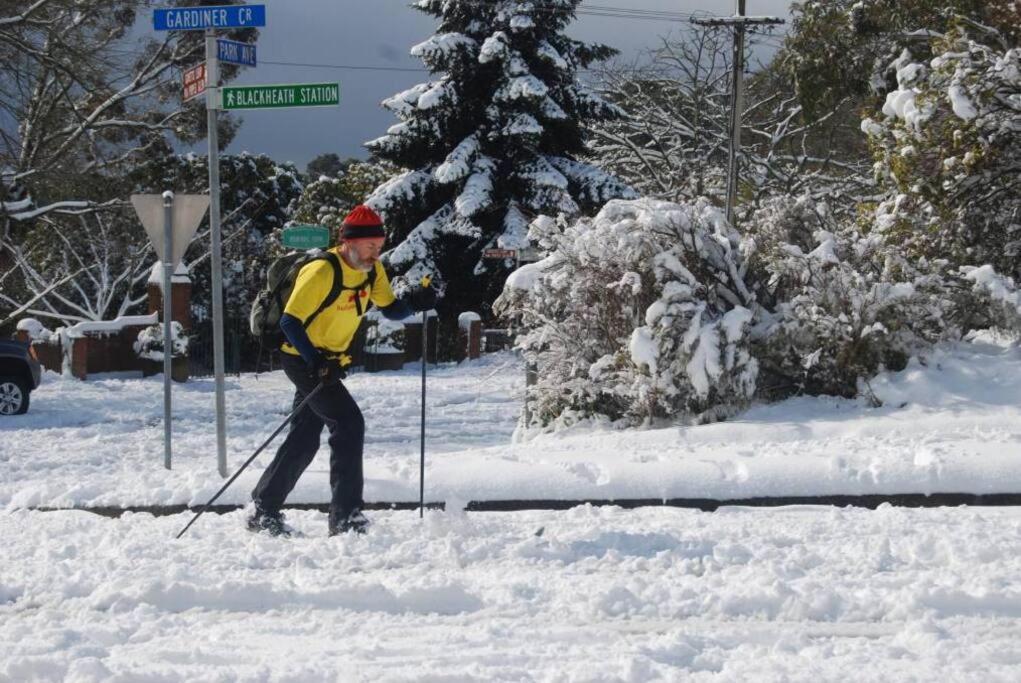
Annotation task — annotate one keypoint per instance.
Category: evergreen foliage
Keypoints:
(490, 142)
(841, 49)
(326, 199)
(329, 164)
(947, 145)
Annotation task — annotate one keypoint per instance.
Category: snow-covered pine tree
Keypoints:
(491, 142)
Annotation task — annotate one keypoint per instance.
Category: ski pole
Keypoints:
(421, 465)
(254, 455)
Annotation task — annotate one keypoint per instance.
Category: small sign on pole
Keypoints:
(306, 237)
(278, 96)
(201, 18)
(194, 81)
(500, 253)
(233, 52)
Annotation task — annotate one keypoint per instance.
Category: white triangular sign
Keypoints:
(188, 212)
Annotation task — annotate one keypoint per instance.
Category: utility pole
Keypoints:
(739, 22)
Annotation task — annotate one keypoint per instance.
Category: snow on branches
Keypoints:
(638, 314)
(654, 310)
(947, 146)
(492, 141)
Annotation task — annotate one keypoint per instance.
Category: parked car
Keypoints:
(20, 374)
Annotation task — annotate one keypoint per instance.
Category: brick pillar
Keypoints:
(413, 338)
(154, 298)
(180, 311)
(80, 357)
(180, 300)
(469, 326)
(180, 304)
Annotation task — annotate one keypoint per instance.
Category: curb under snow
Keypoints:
(871, 501)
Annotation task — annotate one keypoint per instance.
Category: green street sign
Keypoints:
(279, 96)
(306, 237)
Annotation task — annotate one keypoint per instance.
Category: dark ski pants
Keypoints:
(334, 408)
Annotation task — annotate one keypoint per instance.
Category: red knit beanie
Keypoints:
(362, 222)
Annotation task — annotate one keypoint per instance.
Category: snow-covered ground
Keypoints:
(802, 594)
(603, 594)
(950, 425)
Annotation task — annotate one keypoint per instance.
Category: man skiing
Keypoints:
(315, 351)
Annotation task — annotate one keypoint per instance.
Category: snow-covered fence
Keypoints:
(95, 346)
(87, 347)
(388, 345)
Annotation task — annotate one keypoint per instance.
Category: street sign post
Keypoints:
(216, 249)
(194, 81)
(500, 253)
(170, 232)
(203, 18)
(278, 96)
(209, 20)
(306, 237)
(233, 52)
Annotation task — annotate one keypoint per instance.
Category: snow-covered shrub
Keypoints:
(37, 332)
(948, 147)
(843, 305)
(382, 335)
(1001, 294)
(657, 310)
(149, 344)
(637, 314)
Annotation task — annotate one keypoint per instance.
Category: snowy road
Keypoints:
(603, 595)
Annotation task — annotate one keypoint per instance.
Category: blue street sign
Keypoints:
(200, 18)
(235, 53)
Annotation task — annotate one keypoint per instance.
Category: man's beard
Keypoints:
(358, 264)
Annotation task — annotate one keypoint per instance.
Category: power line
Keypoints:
(360, 67)
(597, 11)
(355, 67)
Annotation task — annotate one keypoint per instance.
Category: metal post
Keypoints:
(421, 462)
(212, 92)
(531, 379)
(737, 104)
(168, 344)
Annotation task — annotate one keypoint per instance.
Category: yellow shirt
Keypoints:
(334, 328)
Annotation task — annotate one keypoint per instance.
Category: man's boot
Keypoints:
(353, 521)
(272, 523)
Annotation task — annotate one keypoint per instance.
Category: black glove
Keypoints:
(421, 298)
(328, 371)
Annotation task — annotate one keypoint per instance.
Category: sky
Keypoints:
(380, 33)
